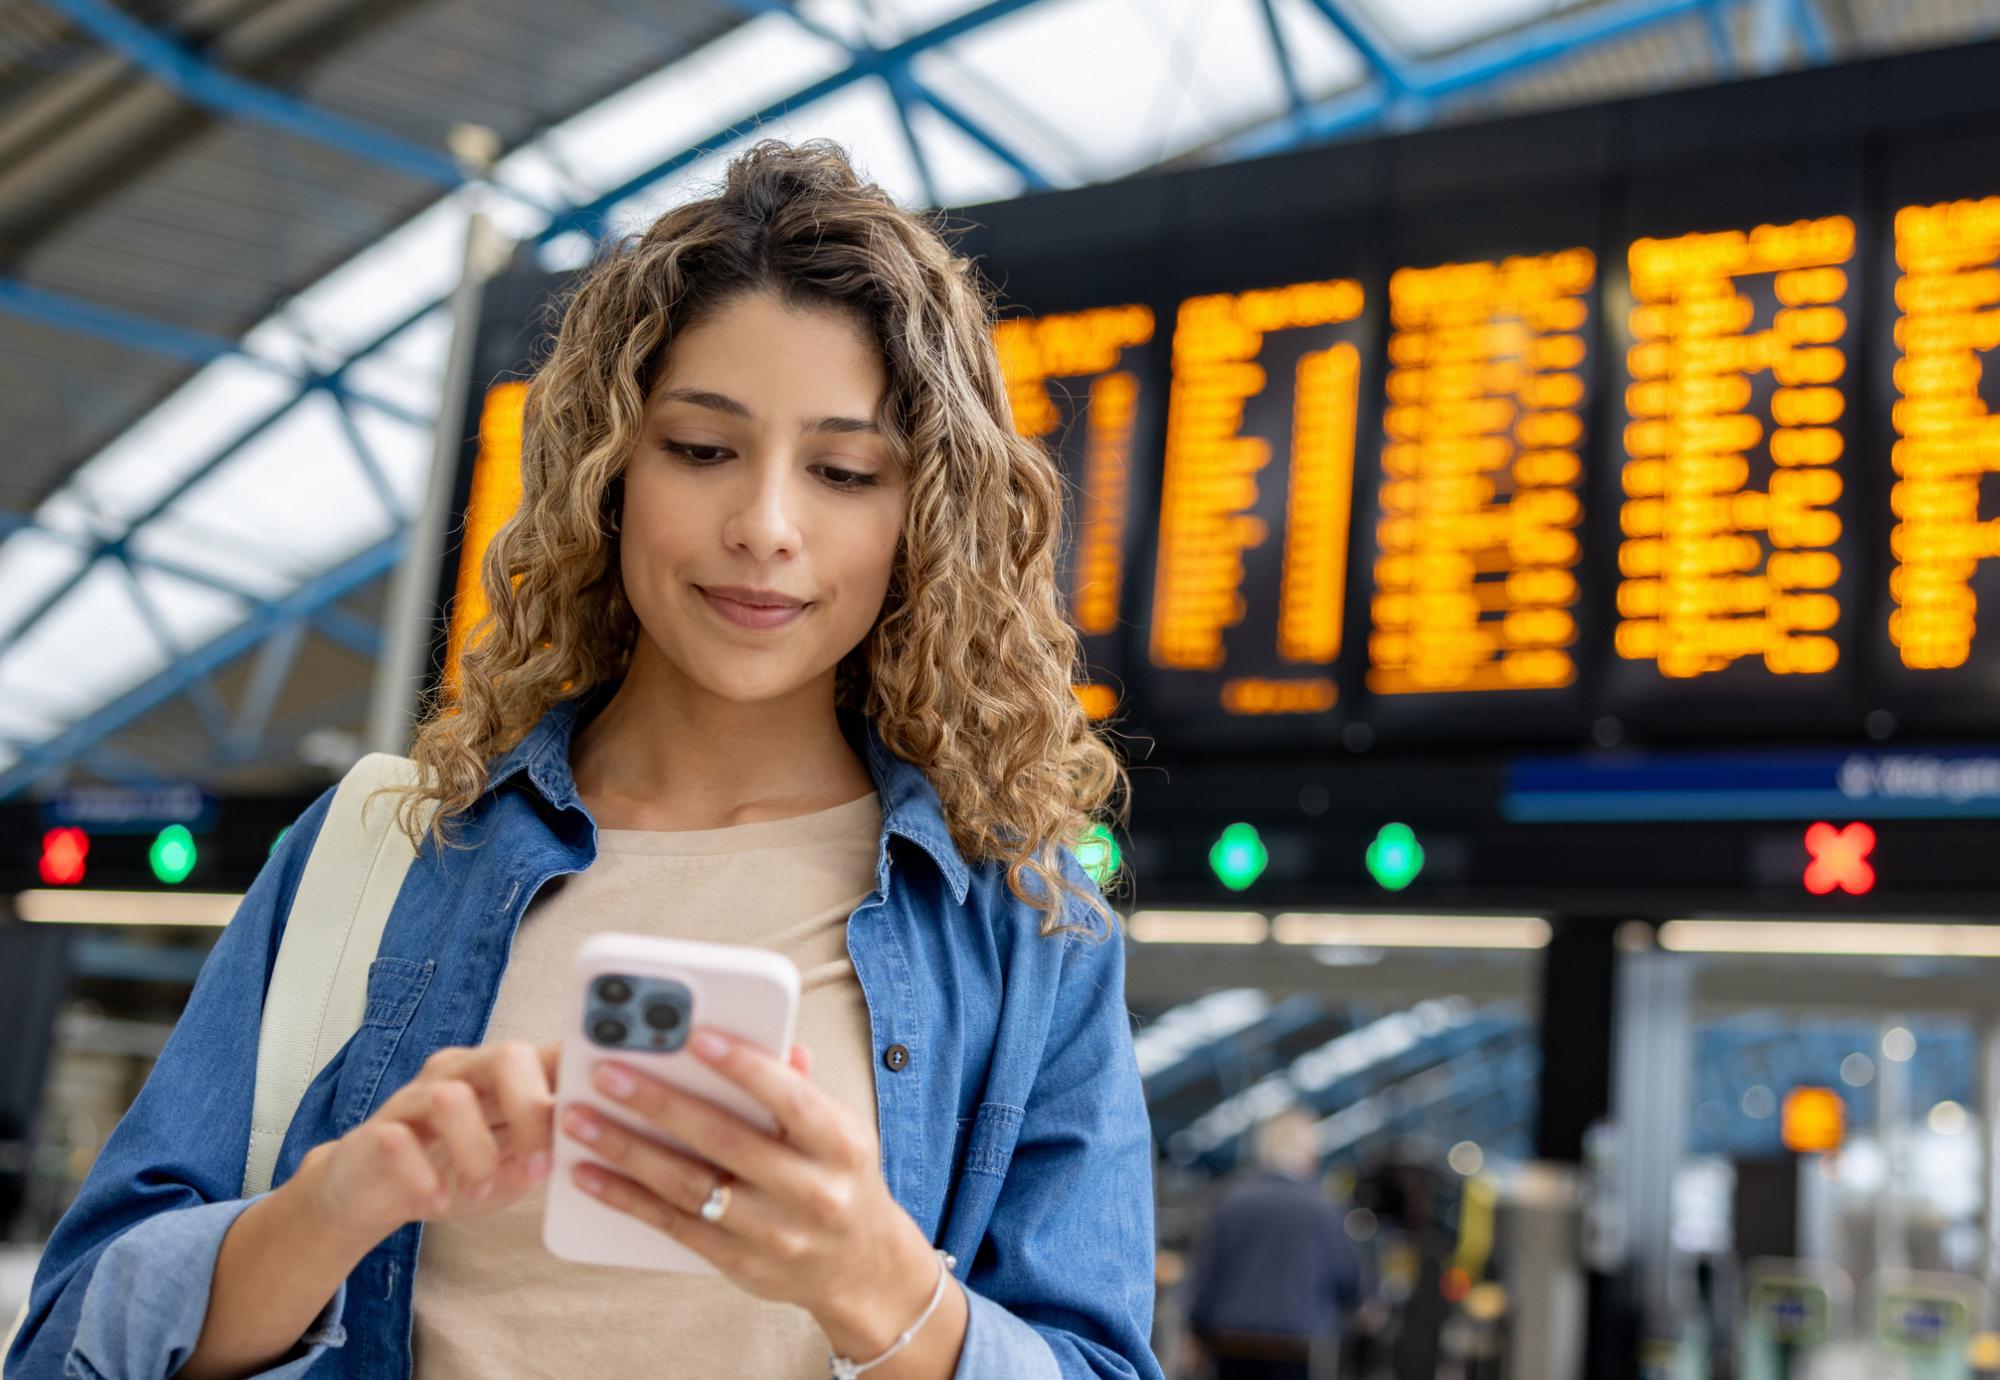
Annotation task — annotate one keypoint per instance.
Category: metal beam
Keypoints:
(267, 682)
(1374, 49)
(199, 690)
(1281, 53)
(97, 322)
(1476, 65)
(205, 84)
(904, 83)
(1721, 43)
(1034, 178)
(350, 632)
(365, 458)
(871, 63)
(200, 472)
(1399, 82)
(302, 602)
(902, 97)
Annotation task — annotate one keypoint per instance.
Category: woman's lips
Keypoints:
(750, 615)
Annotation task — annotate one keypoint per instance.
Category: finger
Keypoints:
(718, 1136)
(811, 1120)
(679, 1180)
(399, 1158)
(802, 1060)
(456, 1117)
(522, 1092)
(706, 1239)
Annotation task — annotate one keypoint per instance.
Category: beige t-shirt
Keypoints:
(490, 1299)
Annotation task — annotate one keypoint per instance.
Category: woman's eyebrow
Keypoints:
(720, 402)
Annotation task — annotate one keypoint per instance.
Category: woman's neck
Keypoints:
(652, 760)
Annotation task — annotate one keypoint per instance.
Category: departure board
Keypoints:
(1734, 545)
(1667, 421)
(1257, 478)
(1080, 383)
(1947, 439)
(1481, 465)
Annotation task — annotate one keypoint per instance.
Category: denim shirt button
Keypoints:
(896, 1056)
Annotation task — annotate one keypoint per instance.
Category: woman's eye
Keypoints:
(846, 479)
(703, 456)
(688, 450)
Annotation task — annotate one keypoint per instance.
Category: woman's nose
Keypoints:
(765, 516)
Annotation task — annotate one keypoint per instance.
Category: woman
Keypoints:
(774, 655)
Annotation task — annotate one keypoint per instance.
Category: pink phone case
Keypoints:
(751, 993)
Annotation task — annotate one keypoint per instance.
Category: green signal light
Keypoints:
(1238, 857)
(1395, 858)
(173, 854)
(1097, 850)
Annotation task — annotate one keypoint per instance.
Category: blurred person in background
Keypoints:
(1274, 1271)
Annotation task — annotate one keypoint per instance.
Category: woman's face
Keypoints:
(759, 472)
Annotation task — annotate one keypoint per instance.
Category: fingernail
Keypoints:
(581, 1126)
(538, 1164)
(615, 1081)
(479, 1193)
(590, 1177)
(440, 1200)
(708, 1044)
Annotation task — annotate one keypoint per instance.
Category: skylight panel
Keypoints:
(1441, 24)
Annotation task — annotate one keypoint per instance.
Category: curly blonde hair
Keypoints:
(968, 669)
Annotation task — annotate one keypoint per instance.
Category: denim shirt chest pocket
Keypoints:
(395, 987)
(984, 1148)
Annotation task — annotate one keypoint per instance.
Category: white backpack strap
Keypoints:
(319, 985)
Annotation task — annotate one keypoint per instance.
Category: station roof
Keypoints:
(208, 207)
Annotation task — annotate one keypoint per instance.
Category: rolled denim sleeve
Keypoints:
(1066, 1284)
(146, 1300)
(122, 1288)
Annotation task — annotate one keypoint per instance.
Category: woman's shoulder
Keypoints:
(1016, 919)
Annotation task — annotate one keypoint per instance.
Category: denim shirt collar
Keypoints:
(910, 805)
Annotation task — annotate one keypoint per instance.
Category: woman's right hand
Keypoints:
(468, 1135)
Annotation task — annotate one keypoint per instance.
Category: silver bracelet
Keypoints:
(841, 1368)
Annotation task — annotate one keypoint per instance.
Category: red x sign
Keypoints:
(1840, 859)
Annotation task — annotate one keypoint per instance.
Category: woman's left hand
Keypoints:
(809, 1221)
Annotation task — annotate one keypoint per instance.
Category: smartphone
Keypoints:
(634, 998)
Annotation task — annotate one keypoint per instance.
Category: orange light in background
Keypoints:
(1950, 284)
(1036, 350)
(496, 493)
(1840, 859)
(1209, 488)
(1715, 571)
(1480, 473)
(1815, 1120)
(1097, 700)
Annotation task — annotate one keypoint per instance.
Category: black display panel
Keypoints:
(1637, 457)
(1728, 480)
(1601, 498)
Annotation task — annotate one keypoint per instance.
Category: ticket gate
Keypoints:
(1793, 1311)
(1925, 1320)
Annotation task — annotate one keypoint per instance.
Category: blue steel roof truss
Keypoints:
(1400, 92)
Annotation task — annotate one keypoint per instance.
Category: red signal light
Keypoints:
(1840, 859)
(63, 852)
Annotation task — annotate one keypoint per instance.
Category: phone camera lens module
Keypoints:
(614, 991)
(662, 1016)
(608, 1030)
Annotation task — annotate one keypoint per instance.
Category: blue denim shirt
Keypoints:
(1015, 1134)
